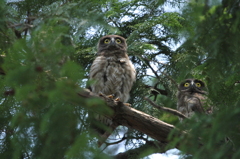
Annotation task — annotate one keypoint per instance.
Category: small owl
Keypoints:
(191, 97)
(112, 72)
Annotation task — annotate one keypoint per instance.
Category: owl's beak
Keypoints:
(193, 88)
(112, 43)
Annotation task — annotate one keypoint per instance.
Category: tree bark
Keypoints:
(135, 119)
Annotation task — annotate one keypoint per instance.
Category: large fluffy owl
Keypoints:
(112, 72)
(191, 97)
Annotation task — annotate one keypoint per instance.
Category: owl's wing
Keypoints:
(128, 78)
(97, 73)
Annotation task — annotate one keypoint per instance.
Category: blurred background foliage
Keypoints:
(46, 50)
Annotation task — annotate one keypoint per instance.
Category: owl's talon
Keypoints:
(101, 94)
(127, 104)
(117, 99)
(110, 96)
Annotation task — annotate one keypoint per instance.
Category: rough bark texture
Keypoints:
(130, 117)
(142, 122)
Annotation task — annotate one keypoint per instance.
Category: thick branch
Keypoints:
(130, 117)
(142, 122)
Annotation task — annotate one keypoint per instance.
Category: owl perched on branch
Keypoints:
(113, 74)
(191, 97)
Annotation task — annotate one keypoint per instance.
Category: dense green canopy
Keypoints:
(46, 50)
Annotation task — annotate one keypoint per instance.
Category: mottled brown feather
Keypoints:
(112, 72)
(191, 99)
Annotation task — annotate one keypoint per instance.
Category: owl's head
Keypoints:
(112, 44)
(193, 86)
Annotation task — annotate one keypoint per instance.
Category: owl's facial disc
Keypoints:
(118, 41)
(107, 41)
(198, 85)
(191, 86)
(112, 43)
(186, 84)
(115, 42)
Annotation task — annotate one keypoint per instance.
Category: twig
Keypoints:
(171, 79)
(113, 143)
(117, 142)
(156, 147)
(148, 64)
(157, 90)
(155, 72)
(169, 110)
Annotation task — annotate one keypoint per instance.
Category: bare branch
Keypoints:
(155, 90)
(117, 142)
(155, 72)
(148, 64)
(156, 147)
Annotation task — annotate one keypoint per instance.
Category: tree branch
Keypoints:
(142, 122)
(156, 147)
(130, 117)
(155, 91)
(169, 110)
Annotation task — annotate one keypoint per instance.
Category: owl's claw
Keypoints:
(110, 96)
(117, 99)
(101, 94)
(127, 104)
(122, 60)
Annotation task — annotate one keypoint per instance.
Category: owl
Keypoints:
(112, 72)
(191, 97)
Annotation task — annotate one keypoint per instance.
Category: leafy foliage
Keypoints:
(211, 50)
(47, 48)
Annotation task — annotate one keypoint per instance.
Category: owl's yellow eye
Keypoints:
(106, 41)
(118, 41)
(198, 84)
(186, 84)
